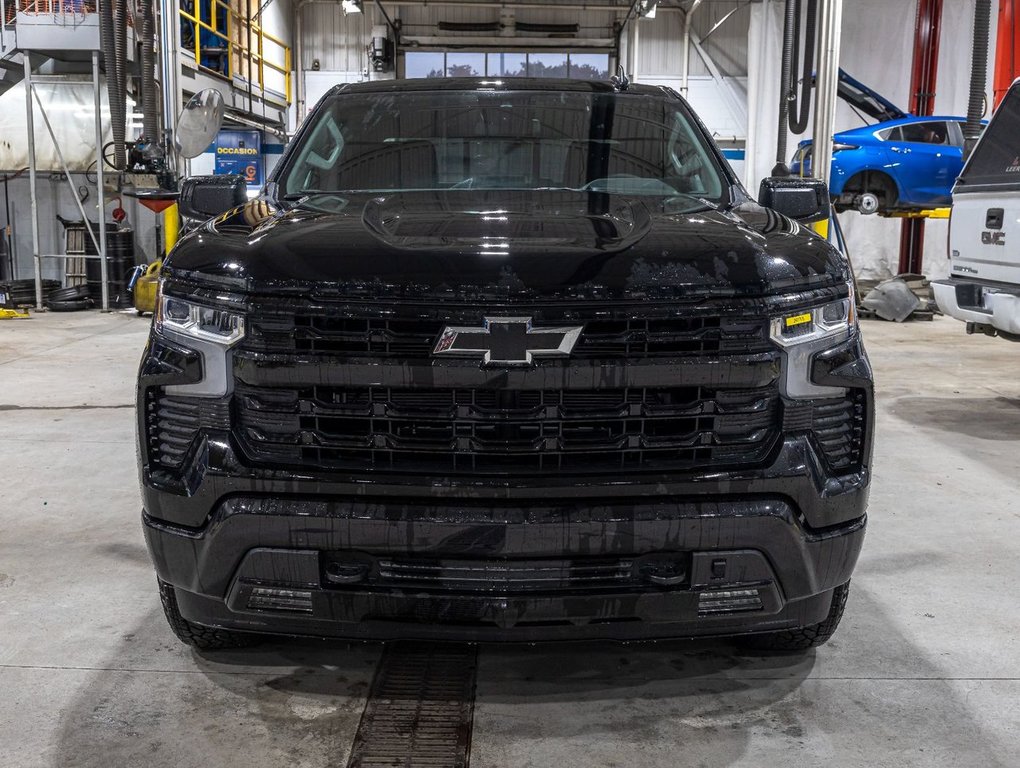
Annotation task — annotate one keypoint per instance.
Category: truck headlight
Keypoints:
(196, 321)
(827, 321)
(211, 331)
(803, 334)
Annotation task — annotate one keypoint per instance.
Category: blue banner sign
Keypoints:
(240, 152)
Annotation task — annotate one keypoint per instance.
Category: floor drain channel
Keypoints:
(419, 711)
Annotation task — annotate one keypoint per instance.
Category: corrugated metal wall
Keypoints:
(422, 21)
(336, 41)
(661, 40)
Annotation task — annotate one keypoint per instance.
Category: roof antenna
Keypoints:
(620, 80)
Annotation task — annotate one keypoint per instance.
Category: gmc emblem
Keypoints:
(993, 238)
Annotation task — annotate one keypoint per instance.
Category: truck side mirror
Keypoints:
(804, 200)
(203, 197)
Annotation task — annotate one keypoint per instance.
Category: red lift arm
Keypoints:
(923, 74)
(1007, 47)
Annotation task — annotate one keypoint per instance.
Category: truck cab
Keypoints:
(983, 289)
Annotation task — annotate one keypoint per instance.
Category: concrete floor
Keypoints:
(924, 671)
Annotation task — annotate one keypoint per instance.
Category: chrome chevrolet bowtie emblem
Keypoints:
(507, 341)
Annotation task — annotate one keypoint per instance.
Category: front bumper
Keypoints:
(248, 548)
(754, 553)
(980, 303)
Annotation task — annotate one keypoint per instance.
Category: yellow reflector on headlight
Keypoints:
(795, 320)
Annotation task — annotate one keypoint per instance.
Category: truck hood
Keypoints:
(510, 246)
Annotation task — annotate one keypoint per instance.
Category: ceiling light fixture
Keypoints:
(351, 6)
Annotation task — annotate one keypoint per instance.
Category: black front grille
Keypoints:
(837, 425)
(506, 576)
(367, 394)
(839, 428)
(173, 424)
(330, 334)
(505, 431)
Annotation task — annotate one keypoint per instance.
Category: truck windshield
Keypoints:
(516, 140)
(996, 158)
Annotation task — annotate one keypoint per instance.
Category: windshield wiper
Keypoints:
(687, 196)
(304, 193)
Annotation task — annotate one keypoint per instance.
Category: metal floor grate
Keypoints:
(419, 711)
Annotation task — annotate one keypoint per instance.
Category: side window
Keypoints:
(688, 160)
(996, 158)
(890, 134)
(315, 167)
(934, 132)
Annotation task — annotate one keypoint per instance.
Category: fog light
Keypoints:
(347, 571)
(664, 571)
(729, 601)
(273, 599)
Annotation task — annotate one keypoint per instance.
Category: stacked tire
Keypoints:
(21, 293)
(73, 299)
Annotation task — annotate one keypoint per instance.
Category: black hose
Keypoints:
(150, 110)
(106, 27)
(7, 225)
(803, 106)
(978, 74)
(118, 111)
(792, 13)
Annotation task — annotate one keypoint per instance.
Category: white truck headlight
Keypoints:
(197, 321)
(803, 334)
(825, 322)
(211, 331)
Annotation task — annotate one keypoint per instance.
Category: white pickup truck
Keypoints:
(983, 289)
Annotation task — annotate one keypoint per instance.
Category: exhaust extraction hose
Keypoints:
(799, 123)
(120, 16)
(150, 105)
(785, 87)
(114, 90)
(978, 74)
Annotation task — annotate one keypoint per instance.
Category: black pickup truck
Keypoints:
(504, 360)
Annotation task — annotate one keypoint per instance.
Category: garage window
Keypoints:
(579, 66)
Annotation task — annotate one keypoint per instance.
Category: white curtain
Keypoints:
(71, 111)
(764, 52)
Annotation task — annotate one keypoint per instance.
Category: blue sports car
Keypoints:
(901, 162)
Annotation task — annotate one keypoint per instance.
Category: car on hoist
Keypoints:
(902, 162)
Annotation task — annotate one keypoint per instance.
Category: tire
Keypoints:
(876, 189)
(802, 638)
(867, 203)
(68, 306)
(196, 635)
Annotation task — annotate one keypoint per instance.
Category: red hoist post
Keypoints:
(923, 73)
(1007, 47)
